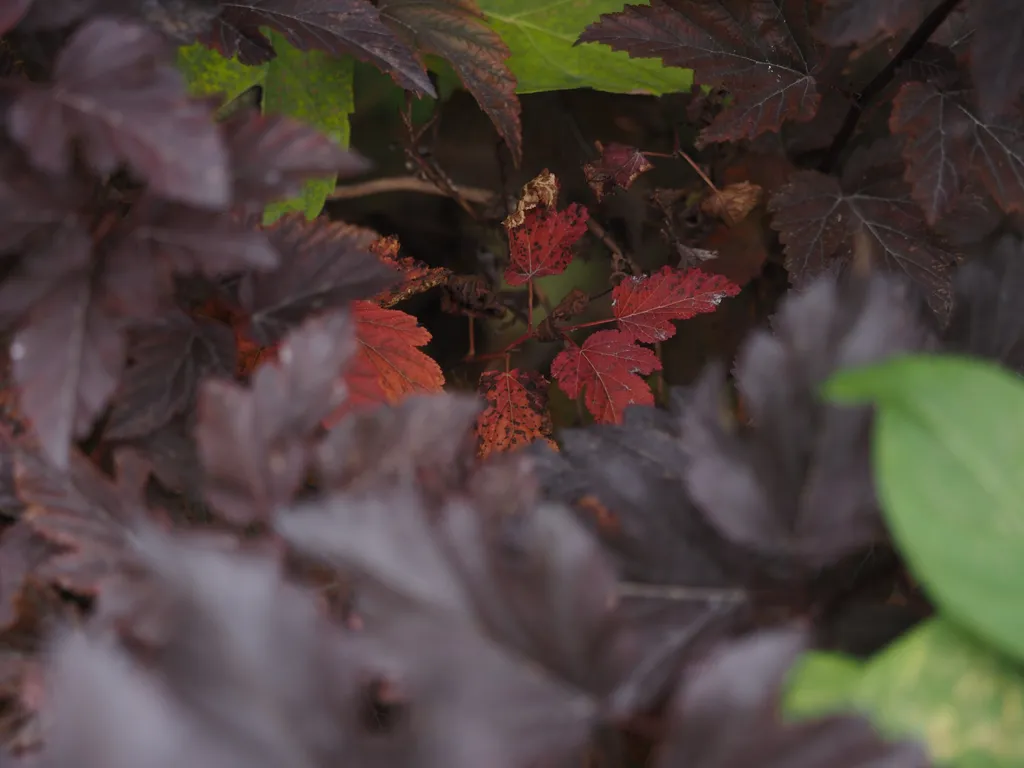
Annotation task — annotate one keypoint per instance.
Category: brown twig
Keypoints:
(476, 195)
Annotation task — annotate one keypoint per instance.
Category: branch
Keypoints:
(407, 184)
(880, 81)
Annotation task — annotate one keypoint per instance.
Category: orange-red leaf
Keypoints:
(542, 244)
(417, 277)
(516, 413)
(606, 368)
(646, 306)
(389, 364)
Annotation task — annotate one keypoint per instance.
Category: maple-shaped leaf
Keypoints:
(88, 515)
(324, 264)
(203, 637)
(22, 552)
(416, 277)
(425, 440)
(516, 413)
(618, 167)
(457, 31)
(118, 96)
(860, 22)
(272, 156)
(389, 342)
(68, 357)
(606, 370)
(800, 490)
(727, 713)
(388, 366)
(542, 244)
(339, 27)
(646, 306)
(255, 443)
(822, 221)
(165, 240)
(480, 603)
(762, 53)
(168, 359)
(997, 54)
(948, 145)
(625, 482)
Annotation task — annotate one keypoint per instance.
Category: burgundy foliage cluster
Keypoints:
(232, 584)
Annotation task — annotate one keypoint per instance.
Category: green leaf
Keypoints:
(315, 88)
(821, 682)
(938, 684)
(540, 35)
(948, 456)
(312, 86)
(208, 73)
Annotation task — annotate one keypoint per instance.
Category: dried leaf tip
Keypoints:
(541, 190)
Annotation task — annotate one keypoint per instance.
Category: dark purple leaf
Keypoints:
(761, 52)
(948, 146)
(799, 488)
(339, 27)
(255, 443)
(824, 222)
(324, 265)
(997, 55)
(272, 156)
(726, 715)
(168, 359)
(116, 92)
(68, 358)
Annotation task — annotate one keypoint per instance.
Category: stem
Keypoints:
(529, 306)
(571, 328)
(507, 350)
(472, 337)
(880, 81)
(698, 169)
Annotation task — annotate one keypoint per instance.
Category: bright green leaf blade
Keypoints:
(208, 73)
(948, 459)
(540, 35)
(310, 201)
(937, 684)
(317, 89)
(820, 683)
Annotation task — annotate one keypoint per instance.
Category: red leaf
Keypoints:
(605, 369)
(339, 27)
(947, 145)
(416, 276)
(765, 56)
(456, 31)
(388, 365)
(516, 413)
(646, 306)
(619, 166)
(115, 95)
(542, 244)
